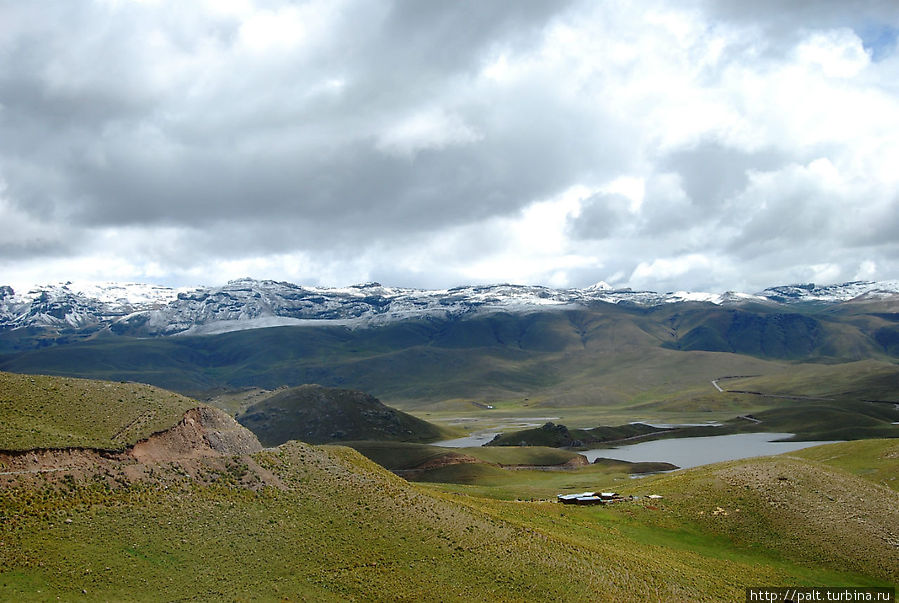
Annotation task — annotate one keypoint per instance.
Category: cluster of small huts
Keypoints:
(596, 498)
(590, 498)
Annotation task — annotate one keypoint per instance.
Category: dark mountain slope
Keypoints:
(605, 354)
(775, 335)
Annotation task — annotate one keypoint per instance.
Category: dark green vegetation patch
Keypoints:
(406, 455)
(550, 434)
(318, 415)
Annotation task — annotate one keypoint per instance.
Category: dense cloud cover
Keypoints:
(664, 145)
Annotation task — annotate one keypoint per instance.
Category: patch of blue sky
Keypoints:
(880, 40)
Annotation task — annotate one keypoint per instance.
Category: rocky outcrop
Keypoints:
(204, 431)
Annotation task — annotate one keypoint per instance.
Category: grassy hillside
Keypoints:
(325, 523)
(786, 507)
(863, 380)
(801, 334)
(602, 360)
(874, 460)
(499, 354)
(606, 365)
(340, 527)
(822, 507)
(57, 412)
(318, 415)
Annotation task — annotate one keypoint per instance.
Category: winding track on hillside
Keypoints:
(714, 382)
(28, 471)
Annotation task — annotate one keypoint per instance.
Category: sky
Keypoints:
(681, 145)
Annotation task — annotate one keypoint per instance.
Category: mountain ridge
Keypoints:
(153, 311)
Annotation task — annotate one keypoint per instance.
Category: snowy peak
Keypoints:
(78, 305)
(600, 286)
(152, 310)
(830, 293)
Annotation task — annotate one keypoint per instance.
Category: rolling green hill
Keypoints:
(874, 460)
(319, 415)
(56, 412)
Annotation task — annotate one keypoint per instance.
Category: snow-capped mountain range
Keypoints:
(151, 310)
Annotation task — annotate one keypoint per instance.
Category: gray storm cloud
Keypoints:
(659, 145)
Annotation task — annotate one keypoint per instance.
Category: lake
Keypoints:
(691, 452)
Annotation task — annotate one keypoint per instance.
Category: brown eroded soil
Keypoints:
(203, 445)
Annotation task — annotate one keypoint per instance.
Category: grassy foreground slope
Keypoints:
(341, 527)
(303, 522)
(56, 412)
(791, 508)
(828, 507)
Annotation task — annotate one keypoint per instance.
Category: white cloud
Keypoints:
(710, 145)
(670, 269)
(838, 53)
(278, 31)
(867, 270)
(432, 129)
(632, 187)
